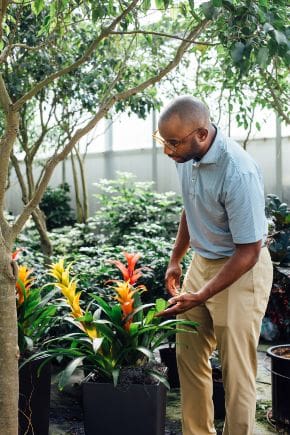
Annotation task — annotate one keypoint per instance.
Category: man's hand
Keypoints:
(182, 303)
(172, 278)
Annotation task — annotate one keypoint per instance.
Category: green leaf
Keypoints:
(263, 3)
(145, 351)
(88, 317)
(280, 37)
(258, 126)
(68, 371)
(160, 304)
(268, 27)
(217, 3)
(209, 10)
(149, 317)
(237, 52)
(97, 344)
(262, 57)
(115, 374)
(146, 5)
(161, 4)
(160, 378)
(116, 314)
(37, 6)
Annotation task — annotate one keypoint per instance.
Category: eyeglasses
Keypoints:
(172, 144)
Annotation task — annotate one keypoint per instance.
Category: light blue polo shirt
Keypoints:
(223, 197)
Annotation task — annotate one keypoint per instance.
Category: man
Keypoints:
(227, 285)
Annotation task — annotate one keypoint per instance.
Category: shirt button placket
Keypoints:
(194, 178)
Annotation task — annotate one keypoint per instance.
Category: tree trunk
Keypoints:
(8, 346)
(85, 205)
(46, 246)
(79, 209)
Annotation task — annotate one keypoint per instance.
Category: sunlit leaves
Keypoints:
(237, 52)
(37, 6)
(263, 56)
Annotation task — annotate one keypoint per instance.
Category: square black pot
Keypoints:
(130, 409)
(34, 398)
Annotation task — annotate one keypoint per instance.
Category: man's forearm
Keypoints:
(243, 260)
(182, 241)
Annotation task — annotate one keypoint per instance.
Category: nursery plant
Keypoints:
(35, 313)
(113, 337)
(35, 317)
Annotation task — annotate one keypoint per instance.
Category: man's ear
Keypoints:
(202, 134)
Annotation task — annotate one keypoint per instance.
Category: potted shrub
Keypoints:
(117, 342)
(35, 315)
(280, 373)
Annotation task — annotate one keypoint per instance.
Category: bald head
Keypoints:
(189, 110)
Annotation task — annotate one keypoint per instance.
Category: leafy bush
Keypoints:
(277, 317)
(132, 217)
(279, 235)
(55, 204)
(130, 207)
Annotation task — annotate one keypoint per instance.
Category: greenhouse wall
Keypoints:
(141, 163)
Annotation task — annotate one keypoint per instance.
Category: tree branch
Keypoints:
(105, 107)
(165, 35)
(105, 32)
(277, 104)
(8, 139)
(170, 66)
(3, 8)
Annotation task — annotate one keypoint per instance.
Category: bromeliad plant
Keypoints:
(35, 313)
(114, 336)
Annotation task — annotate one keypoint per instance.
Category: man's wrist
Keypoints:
(203, 294)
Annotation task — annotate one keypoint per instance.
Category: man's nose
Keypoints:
(167, 151)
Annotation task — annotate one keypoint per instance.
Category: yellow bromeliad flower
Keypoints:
(56, 270)
(23, 284)
(68, 288)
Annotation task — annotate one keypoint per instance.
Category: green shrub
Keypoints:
(279, 232)
(55, 204)
(133, 218)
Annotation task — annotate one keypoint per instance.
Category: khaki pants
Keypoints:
(229, 321)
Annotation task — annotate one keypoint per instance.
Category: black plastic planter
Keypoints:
(131, 409)
(218, 396)
(280, 373)
(168, 358)
(34, 399)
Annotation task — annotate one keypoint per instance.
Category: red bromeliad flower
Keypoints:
(16, 254)
(129, 273)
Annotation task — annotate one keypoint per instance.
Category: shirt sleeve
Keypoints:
(245, 207)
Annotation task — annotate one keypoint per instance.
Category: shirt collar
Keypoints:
(215, 151)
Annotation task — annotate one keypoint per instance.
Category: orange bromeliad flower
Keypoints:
(23, 284)
(129, 273)
(125, 293)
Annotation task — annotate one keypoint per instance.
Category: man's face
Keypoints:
(183, 142)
